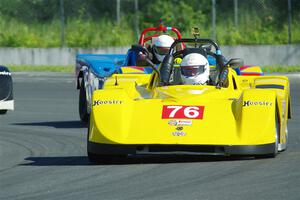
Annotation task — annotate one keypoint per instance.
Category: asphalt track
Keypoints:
(43, 156)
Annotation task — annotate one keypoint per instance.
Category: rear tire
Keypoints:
(2, 112)
(286, 137)
(83, 114)
(277, 136)
(283, 147)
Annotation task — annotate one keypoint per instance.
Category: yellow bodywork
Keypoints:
(251, 70)
(128, 110)
(132, 70)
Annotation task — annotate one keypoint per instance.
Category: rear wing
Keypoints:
(271, 82)
(264, 82)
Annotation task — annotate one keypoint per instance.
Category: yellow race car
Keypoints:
(156, 114)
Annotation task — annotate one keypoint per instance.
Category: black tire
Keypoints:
(98, 159)
(2, 112)
(95, 158)
(277, 124)
(102, 158)
(83, 114)
(286, 137)
(106, 159)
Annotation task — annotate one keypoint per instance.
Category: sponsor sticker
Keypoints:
(180, 122)
(105, 102)
(179, 133)
(182, 112)
(257, 103)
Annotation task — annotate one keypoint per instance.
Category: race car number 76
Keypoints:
(182, 112)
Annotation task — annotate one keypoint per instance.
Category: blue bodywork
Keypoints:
(102, 65)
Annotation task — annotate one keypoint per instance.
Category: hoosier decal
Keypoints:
(103, 102)
(257, 103)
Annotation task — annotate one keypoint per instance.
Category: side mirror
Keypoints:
(144, 57)
(142, 53)
(207, 48)
(235, 62)
(140, 48)
(144, 60)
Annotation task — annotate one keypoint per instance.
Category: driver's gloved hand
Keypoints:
(177, 61)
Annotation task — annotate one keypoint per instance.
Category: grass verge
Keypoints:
(280, 69)
(70, 68)
(41, 68)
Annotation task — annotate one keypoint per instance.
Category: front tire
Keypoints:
(92, 157)
(103, 158)
(83, 114)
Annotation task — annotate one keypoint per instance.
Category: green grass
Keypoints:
(90, 33)
(41, 68)
(70, 68)
(281, 69)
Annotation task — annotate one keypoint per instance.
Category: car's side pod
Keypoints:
(255, 112)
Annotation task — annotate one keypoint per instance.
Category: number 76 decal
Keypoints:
(182, 112)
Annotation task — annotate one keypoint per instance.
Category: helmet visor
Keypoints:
(162, 50)
(192, 70)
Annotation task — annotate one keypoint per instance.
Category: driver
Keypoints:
(161, 46)
(194, 69)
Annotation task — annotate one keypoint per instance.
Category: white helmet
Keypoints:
(161, 46)
(194, 69)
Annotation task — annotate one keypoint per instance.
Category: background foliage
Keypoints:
(92, 23)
